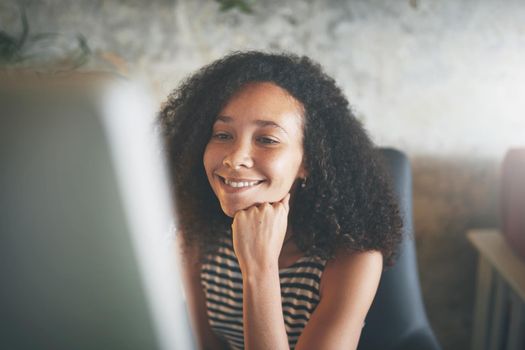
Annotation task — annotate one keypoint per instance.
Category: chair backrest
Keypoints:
(397, 318)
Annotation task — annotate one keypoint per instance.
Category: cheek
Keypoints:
(286, 167)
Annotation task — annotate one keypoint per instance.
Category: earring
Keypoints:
(303, 183)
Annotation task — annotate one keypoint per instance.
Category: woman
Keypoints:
(285, 215)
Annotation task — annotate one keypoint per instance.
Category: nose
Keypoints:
(239, 155)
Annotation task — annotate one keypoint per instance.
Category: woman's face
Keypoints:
(256, 150)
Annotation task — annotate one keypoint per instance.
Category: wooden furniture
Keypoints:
(499, 314)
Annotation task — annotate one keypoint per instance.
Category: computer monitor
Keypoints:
(87, 255)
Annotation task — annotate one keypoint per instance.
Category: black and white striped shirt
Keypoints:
(222, 283)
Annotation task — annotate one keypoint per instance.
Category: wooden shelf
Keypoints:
(499, 313)
(493, 246)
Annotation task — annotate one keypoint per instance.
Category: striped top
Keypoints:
(222, 283)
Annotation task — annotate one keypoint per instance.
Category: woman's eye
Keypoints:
(221, 136)
(267, 140)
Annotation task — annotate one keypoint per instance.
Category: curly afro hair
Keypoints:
(347, 203)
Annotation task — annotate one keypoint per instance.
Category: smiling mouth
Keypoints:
(240, 184)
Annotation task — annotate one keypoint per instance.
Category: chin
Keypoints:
(228, 213)
(231, 209)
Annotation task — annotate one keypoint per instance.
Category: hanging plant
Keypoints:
(242, 5)
(49, 51)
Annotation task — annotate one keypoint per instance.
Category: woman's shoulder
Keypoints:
(350, 267)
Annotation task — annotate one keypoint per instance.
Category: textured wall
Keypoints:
(442, 80)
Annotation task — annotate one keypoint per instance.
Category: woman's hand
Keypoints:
(258, 234)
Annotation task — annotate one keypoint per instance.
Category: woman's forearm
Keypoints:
(262, 310)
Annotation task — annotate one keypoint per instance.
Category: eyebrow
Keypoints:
(258, 122)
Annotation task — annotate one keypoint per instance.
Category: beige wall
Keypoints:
(442, 80)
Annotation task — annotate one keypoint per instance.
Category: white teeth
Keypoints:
(239, 184)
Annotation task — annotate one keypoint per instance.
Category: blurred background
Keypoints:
(442, 80)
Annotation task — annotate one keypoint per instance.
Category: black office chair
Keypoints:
(397, 318)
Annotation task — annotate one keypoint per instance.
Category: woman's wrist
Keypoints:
(257, 269)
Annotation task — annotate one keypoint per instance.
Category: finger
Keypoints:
(260, 205)
(265, 205)
(238, 214)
